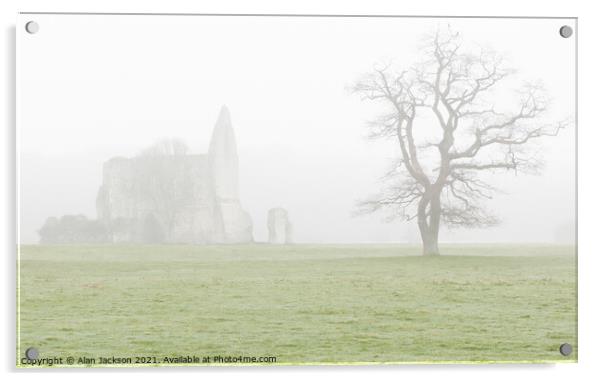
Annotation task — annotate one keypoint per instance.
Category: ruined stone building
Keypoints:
(170, 196)
(280, 228)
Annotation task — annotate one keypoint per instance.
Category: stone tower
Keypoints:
(223, 157)
(233, 223)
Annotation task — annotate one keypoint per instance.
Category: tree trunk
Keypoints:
(430, 245)
(429, 226)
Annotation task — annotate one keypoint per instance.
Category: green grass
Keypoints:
(301, 303)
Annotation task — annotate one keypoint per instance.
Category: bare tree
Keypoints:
(162, 173)
(451, 92)
(166, 147)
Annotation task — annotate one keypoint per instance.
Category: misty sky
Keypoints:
(94, 87)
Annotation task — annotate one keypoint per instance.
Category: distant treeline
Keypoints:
(72, 229)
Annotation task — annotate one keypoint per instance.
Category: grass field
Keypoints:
(300, 303)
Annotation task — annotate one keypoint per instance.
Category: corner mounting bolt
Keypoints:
(566, 349)
(32, 353)
(566, 31)
(32, 27)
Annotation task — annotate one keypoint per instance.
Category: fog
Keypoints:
(94, 87)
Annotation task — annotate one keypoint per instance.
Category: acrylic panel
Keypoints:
(295, 189)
